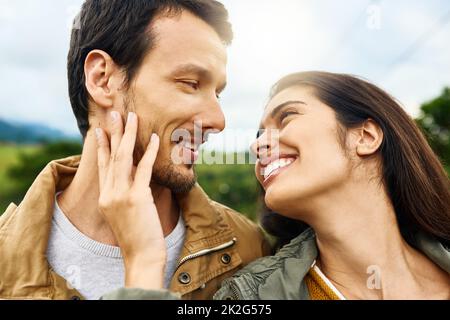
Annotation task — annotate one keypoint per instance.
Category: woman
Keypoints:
(366, 200)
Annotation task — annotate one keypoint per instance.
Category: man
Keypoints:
(163, 62)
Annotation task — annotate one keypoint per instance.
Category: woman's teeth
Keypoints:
(275, 165)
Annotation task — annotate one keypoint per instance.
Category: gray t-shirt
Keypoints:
(94, 268)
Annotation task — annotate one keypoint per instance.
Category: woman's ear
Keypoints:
(370, 138)
(100, 73)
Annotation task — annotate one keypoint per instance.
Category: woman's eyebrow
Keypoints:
(277, 109)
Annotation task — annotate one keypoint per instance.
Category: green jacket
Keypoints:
(281, 276)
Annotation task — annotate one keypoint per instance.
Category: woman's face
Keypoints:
(300, 158)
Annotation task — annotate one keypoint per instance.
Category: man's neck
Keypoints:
(79, 202)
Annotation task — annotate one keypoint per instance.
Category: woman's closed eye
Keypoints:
(286, 115)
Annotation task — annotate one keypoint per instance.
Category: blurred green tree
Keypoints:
(30, 164)
(435, 123)
(233, 185)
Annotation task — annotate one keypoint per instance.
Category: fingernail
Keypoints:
(98, 133)
(131, 116)
(114, 116)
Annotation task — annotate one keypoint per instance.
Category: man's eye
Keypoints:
(259, 133)
(193, 84)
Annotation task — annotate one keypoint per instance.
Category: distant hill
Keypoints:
(30, 133)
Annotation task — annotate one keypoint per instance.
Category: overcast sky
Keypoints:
(403, 46)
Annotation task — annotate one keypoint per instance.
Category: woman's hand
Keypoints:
(126, 202)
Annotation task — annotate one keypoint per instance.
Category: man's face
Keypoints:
(175, 90)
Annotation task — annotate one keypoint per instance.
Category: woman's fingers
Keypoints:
(123, 159)
(145, 168)
(116, 132)
(128, 208)
(103, 156)
(115, 159)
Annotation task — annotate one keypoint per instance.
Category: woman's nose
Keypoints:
(261, 146)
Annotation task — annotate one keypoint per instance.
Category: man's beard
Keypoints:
(166, 173)
(168, 176)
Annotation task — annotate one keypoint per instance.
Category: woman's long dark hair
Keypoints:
(414, 178)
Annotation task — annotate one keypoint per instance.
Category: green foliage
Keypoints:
(27, 165)
(233, 185)
(9, 156)
(435, 122)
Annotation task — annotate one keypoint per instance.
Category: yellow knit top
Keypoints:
(319, 287)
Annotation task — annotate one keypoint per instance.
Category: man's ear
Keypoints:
(102, 78)
(370, 138)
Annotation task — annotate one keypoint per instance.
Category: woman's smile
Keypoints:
(275, 167)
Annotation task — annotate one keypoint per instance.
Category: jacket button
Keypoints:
(226, 258)
(184, 278)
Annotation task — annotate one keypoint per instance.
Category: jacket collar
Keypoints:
(433, 249)
(205, 225)
(24, 233)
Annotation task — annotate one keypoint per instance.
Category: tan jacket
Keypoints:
(218, 242)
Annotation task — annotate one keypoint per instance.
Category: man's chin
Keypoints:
(177, 178)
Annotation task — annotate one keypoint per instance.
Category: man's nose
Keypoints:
(212, 118)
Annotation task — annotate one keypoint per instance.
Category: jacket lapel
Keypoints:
(24, 236)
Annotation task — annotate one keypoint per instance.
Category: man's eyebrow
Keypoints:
(191, 68)
(277, 109)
